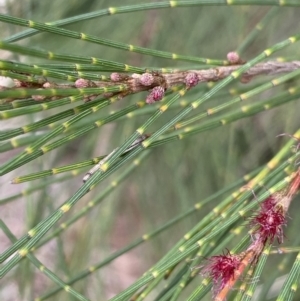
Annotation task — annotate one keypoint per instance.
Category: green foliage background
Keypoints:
(174, 176)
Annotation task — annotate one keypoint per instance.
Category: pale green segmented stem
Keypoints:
(112, 11)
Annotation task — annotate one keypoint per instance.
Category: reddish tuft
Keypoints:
(146, 79)
(156, 94)
(191, 80)
(269, 203)
(268, 222)
(233, 57)
(221, 269)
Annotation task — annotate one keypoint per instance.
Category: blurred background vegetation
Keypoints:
(174, 176)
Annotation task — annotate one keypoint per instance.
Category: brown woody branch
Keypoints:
(148, 81)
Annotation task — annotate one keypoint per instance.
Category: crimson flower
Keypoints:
(221, 269)
(268, 222)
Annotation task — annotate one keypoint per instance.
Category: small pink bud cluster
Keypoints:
(146, 79)
(115, 77)
(135, 75)
(83, 83)
(48, 85)
(191, 80)
(118, 77)
(156, 94)
(233, 57)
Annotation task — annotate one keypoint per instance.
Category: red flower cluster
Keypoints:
(268, 222)
(221, 269)
(267, 225)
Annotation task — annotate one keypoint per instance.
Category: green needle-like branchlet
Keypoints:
(43, 269)
(111, 11)
(68, 58)
(27, 154)
(59, 92)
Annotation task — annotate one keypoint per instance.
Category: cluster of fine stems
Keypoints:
(266, 226)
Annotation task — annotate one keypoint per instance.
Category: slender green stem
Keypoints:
(42, 268)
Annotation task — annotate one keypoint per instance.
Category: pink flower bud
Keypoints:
(82, 83)
(146, 79)
(233, 57)
(156, 94)
(191, 80)
(115, 77)
(135, 75)
(48, 85)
